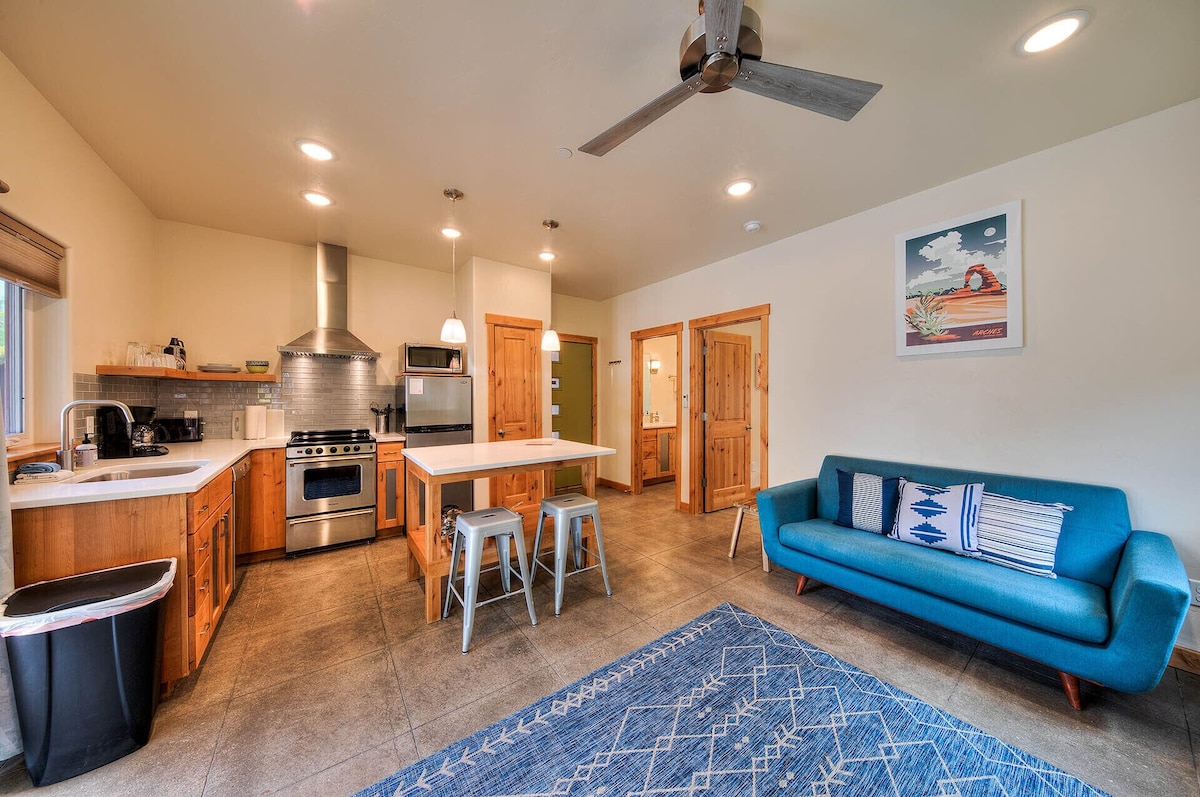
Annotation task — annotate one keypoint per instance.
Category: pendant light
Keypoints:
(453, 330)
(550, 337)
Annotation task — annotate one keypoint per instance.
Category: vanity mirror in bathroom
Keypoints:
(659, 383)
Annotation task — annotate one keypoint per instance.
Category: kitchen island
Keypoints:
(433, 466)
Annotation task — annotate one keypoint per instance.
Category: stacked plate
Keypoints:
(219, 368)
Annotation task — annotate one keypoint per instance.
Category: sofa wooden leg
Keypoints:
(1070, 685)
(801, 583)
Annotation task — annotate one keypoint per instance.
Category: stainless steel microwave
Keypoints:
(425, 358)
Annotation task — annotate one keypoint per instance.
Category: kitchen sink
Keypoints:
(131, 472)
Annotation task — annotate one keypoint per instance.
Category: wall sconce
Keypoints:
(655, 365)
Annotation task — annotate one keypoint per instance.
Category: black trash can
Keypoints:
(85, 654)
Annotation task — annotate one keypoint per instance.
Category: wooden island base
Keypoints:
(428, 552)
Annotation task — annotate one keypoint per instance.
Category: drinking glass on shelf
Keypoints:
(135, 353)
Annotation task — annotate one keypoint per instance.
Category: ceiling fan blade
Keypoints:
(722, 20)
(642, 117)
(839, 97)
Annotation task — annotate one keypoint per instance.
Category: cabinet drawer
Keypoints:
(389, 452)
(200, 587)
(199, 547)
(200, 624)
(208, 498)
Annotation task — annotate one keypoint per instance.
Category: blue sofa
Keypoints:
(1111, 616)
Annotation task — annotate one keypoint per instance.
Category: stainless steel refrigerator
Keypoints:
(436, 411)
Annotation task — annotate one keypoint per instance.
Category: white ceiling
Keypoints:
(196, 105)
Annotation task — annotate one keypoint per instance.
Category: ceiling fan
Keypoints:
(722, 49)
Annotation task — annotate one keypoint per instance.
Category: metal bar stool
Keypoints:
(568, 512)
(470, 530)
(743, 509)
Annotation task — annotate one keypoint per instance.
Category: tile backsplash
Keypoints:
(313, 392)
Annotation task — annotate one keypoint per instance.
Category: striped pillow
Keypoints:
(1020, 534)
(867, 502)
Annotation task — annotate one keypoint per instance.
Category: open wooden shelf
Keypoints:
(175, 373)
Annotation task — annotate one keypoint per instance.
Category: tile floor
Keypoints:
(323, 677)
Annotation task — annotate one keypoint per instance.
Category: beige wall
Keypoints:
(235, 297)
(1107, 385)
(62, 188)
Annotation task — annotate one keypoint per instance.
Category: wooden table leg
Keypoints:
(433, 532)
(737, 531)
(588, 467)
(412, 519)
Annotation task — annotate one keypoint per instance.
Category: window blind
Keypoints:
(29, 258)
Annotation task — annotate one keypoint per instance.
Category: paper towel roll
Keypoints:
(256, 422)
(274, 423)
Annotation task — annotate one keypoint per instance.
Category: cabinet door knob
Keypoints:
(203, 587)
(204, 630)
(204, 509)
(203, 547)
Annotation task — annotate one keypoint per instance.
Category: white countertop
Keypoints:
(466, 457)
(658, 424)
(390, 437)
(216, 456)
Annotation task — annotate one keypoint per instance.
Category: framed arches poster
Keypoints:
(958, 284)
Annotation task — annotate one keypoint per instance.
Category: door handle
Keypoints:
(500, 433)
(747, 427)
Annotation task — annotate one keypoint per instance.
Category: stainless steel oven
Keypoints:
(330, 488)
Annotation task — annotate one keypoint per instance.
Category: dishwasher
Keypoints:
(241, 511)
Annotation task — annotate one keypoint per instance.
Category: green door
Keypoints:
(573, 398)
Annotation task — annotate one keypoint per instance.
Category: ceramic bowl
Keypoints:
(257, 366)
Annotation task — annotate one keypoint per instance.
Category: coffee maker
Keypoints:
(114, 438)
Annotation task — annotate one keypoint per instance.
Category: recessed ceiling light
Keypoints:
(739, 187)
(451, 232)
(547, 256)
(752, 226)
(314, 150)
(317, 198)
(1053, 32)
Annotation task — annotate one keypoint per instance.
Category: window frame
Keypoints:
(23, 339)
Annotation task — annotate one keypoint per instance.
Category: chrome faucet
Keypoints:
(65, 453)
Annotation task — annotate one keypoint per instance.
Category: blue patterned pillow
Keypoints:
(939, 517)
(1020, 534)
(867, 502)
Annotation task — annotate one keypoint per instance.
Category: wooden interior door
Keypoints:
(514, 405)
(726, 420)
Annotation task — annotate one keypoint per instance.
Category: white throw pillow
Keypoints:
(939, 517)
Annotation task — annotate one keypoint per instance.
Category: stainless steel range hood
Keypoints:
(330, 338)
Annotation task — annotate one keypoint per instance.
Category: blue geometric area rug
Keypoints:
(728, 704)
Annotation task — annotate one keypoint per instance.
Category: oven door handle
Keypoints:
(327, 516)
(338, 458)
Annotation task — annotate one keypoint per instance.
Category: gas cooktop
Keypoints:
(327, 442)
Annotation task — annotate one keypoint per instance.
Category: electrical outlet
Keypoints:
(1195, 584)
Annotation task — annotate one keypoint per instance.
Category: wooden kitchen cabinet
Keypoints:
(659, 454)
(210, 565)
(389, 489)
(268, 507)
(69, 539)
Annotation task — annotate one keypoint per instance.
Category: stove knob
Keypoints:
(308, 451)
(357, 447)
(320, 451)
(345, 449)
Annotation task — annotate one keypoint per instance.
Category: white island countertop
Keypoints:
(213, 456)
(467, 457)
